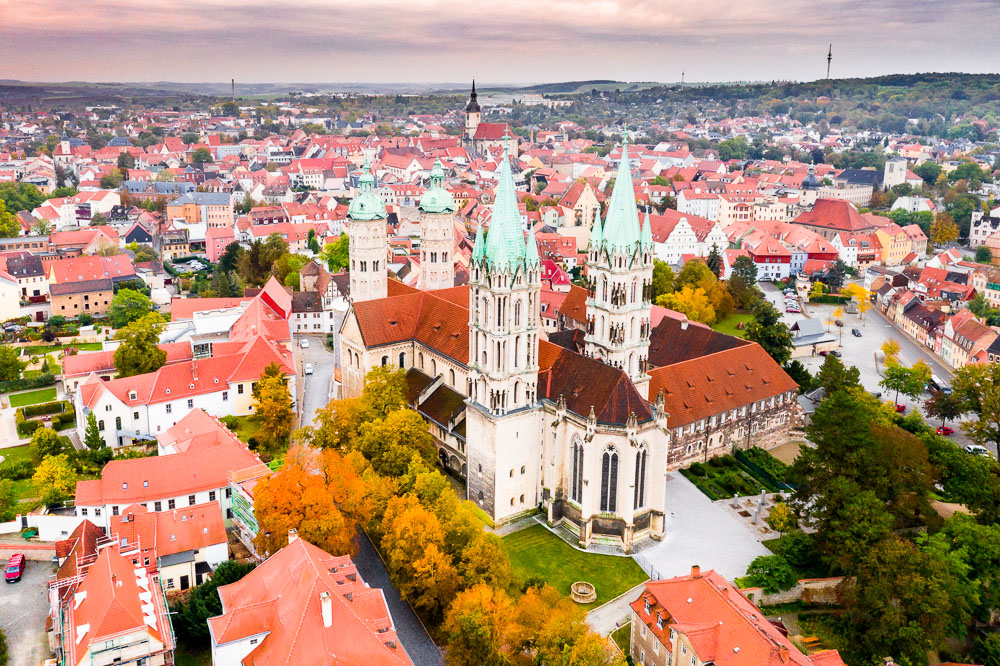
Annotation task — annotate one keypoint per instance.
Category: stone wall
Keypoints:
(822, 591)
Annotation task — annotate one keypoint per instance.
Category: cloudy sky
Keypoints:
(503, 41)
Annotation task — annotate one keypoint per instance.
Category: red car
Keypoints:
(15, 567)
(945, 430)
(900, 408)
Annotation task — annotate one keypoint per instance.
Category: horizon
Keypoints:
(446, 40)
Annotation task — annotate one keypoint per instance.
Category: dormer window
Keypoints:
(660, 620)
(131, 395)
(647, 606)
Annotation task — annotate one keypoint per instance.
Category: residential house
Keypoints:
(964, 337)
(32, 278)
(676, 235)
(830, 217)
(213, 209)
(304, 606)
(72, 299)
(918, 239)
(217, 239)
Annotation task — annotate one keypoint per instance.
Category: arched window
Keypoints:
(640, 479)
(385, 360)
(434, 368)
(402, 360)
(118, 423)
(604, 289)
(609, 481)
(576, 480)
(420, 358)
(517, 313)
(451, 377)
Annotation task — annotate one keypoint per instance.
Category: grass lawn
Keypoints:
(16, 454)
(728, 325)
(24, 489)
(823, 626)
(39, 350)
(537, 552)
(248, 427)
(32, 397)
(622, 637)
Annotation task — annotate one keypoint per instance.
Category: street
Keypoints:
(315, 387)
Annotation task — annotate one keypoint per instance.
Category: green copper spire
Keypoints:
(621, 223)
(367, 205)
(505, 240)
(646, 237)
(531, 259)
(597, 232)
(437, 199)
(479, 249)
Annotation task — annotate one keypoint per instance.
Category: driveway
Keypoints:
(23, 608)
(416, 641)
(698, 531)
(317, 385)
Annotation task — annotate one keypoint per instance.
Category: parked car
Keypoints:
(855, 332)
(900, 408)
(15, 567)
(945, 430)
(309, 368)
(304, 343)
(877, 394)
(838, 322)
(977, 450)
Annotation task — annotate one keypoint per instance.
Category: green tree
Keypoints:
(55, 479)
(835, 276)
(978, 389)
(9, 228)
(45, 442)
(126, 160)
(7, 502)
(945, 406)
(139, 351)
(273, 405)
(127, 306)
(798, 372)
(336, 254)
(229, 259)
(11, 364)
(772, 573)
(770, 332)
(908, 381)
(849, 521)
(92, 438)
(231, 108)
(833, 375)
(663, 279)
(313, 242)
(984, 255)
(928, 171)
(201, 156)
(714, 261)
(191, 617)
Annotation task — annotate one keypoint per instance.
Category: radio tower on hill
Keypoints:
(829, 57)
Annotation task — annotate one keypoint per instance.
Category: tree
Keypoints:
(816, 290)
(127, 306)
(385, 390)
(890, 348)
(313, 242)
(835, 275)
(834, 376)
(861, 296)
(771, 573)
(55, 479)
(336, 254)
(663, 279)
(477, 625)
(191, 617)
(714, 261)
(770, 332)
(11, 364)
(139, 351)
(126, 160)
(984, 255)
(201, 156)
(298, 499)
(9, 228)
(4, 654)
(112, 180)
(7, 502)
(928, 171)
(849, 522)
(943, 230)
(800, 375)
(692, 302)
(228, 260)
(908, 381)
(745, 269)
(945, 406)
(92, 438)
(781, 519)
(273, 406)
(390, 443)
(231, 109)
(978, 389)
(45, 442)
(901, 602)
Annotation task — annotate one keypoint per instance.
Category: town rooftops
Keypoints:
(837, 215)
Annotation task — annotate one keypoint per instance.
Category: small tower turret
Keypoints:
(368, 248)
(437, 233)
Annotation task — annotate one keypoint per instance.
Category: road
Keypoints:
(23, 608)
(316, 387)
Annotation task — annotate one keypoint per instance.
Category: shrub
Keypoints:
(230, 422)
(44, 408)
(86, 319)
(25, 428)
(766, 462)
(772, 573)
(41, 381)
(697, 469)
(799, 550)
(16, 470)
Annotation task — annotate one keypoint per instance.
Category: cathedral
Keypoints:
(584, 424)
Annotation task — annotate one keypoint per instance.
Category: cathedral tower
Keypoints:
(504, 414)
(437, 234)
(368, 248)
(472, 114)
(620, 274)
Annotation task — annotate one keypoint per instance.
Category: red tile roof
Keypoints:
(169, 532)
(117, 267)
(197, 430)
(85, 363)
(421, 316)
(835, 214)
(283, 598)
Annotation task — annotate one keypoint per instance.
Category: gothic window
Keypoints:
(609, 481)
(635, 287)
(604, 289)
(420, 357)
(640, 479)
(451, 377)
(576, 480)
(517, 313)
(385, 360)
(434, 368)
(402, 360)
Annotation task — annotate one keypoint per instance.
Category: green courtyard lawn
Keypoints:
(15, 454)
(32, 397)
(536, 552)
(248, 427)
(729, 323)
(39, 350)
(622, 636)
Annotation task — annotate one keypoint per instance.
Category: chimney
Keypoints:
(684, 324)
(292, 536)
(327, 607)
(695, 571)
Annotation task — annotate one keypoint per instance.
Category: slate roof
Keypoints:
(670, 343)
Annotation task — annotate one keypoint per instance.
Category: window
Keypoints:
(135, 416)
(170, 583)
(190, 403)
(225, 395)
(83, 512)
(576, 482)
(114, 510)
(639, 498)
(170, 408)
(118, 423)
(228, 493)
(190, 500)
(157, 506)
(100, 424)
(239, 389)
(171, 504)
(211, 495)
(97, 512)
(402, 360)
(229, 514)
(609, 481)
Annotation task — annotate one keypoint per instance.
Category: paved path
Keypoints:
(418, 644)
(605, 619)
(697, 531)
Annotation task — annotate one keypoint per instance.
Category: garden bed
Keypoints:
(722, 477)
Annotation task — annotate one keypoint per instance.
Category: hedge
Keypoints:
(25, 428)
(65, 420)
(41, 381)
(829, 299)
(44, 408)
(65, 416)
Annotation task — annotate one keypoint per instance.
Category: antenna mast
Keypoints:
(829, 57)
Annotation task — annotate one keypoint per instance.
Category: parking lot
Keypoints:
(23, 607)
(863, 352)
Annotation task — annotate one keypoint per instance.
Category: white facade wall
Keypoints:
(100, 514)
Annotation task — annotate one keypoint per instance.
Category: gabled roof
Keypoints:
(837, 215)
(197, 430)
(283, 598)
(439, 323)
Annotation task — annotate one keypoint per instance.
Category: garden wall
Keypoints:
(821, 591)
